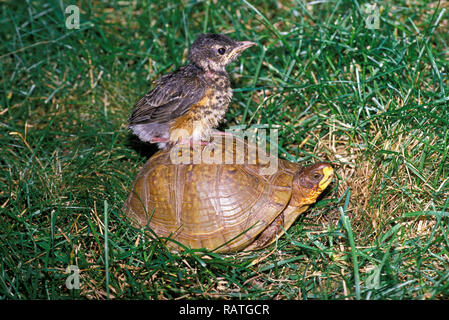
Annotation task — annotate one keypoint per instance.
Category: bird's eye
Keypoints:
(221, 51)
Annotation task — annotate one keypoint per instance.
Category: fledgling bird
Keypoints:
(189, 102)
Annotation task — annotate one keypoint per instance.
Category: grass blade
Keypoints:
(347, 225)
(106, 246)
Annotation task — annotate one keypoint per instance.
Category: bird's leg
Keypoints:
(158, 140)
(222, 133)
(192, 141)
(227, 135)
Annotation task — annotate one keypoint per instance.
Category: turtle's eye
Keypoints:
(221, 51)
(317, 176)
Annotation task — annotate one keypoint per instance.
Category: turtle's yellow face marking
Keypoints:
(310, 182)
(328, 173)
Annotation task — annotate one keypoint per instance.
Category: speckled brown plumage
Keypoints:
(190, 101)
(225, 206)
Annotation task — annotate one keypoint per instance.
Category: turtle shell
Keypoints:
(216, 206)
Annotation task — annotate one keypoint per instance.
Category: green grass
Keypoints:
(373, 102)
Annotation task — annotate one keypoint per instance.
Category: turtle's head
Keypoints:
(309, 182)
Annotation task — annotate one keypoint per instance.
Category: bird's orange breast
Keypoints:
(202, 116)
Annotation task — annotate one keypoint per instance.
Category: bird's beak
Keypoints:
(243, 45)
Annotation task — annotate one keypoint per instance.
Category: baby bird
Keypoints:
(190, 101)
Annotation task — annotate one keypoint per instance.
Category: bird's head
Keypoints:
(213, 52)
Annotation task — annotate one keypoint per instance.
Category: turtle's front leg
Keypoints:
(268, 236)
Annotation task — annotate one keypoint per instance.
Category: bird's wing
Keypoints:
(172, 97)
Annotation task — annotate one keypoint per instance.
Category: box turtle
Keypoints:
(222, 206)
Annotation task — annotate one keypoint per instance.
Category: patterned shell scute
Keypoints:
(220, 205)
